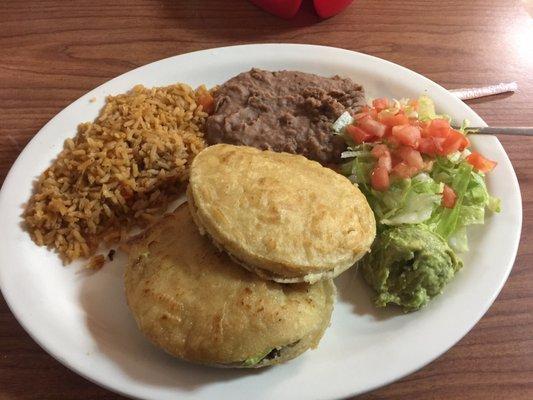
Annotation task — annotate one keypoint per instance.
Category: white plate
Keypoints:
(84, 322)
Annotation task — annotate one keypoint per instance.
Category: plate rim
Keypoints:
(64, 361)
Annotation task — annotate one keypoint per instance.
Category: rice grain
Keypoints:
(119, 171)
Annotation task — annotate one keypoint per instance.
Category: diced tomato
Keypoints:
(411, 156)
(448, 197)
(439, 144)
(357, 134)
(372, 127)
(366, 111)
(385, 161)
(466, 144)
(396, 159)
(379, 150)
(427, 146)
(481, 163)
(380, 104)
(453, 142)
(382, 153)
(424, 128)
(379, 179)
(439, 128)
(392, 120)
(207, 103)
(407, 134)
(392, 142)
(402, 170)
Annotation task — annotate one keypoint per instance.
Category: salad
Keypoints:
(416, 170)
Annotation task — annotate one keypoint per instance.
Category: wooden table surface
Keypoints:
(54, 51)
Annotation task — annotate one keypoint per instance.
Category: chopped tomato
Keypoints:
(379, 150)
(379, 179)
(391, 120)
(427, 146)
(372, 127)
(207, 103)
(380, 104)
(448, 197)
(385, 161)
(402, 170)
(466, 144)
(424, 128)
(481, 163)
(392, 142)
(439, 128)
(407, 134)
(382, 153)
(439, 144)
(454, 141)
(396, 159)
(357, 134)
(411, 156)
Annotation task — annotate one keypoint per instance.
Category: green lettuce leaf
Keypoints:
(426, 110)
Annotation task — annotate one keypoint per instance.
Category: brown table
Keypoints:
(54, 51)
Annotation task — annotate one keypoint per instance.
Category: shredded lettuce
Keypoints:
(418, 200)
(358, 169)
(472, 200)
(408, 201)
(426, 110)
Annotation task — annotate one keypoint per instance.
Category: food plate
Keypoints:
(83, 321)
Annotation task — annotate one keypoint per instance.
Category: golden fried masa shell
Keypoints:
(280, 215)
(195, 303)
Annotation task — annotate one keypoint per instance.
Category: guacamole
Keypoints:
(408, 266)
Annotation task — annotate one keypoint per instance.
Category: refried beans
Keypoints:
(286, 111)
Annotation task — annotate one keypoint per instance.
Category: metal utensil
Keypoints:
(474, 93)
(494, 130)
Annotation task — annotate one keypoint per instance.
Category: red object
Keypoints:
(401, 143)
(380, 104)
(427, 146)
(281, 8)
(207, 103)
(448, 197)
(382, 153)
(481, 163)
(372, 127)
(385, 161)
(379, 179)
(407, 134)
(393, 120)
(329, 8)
(411, 156)
(454, 142)
(357, 134)
(439, 128)
(288, 8)
(380, 150)
(402, 170)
